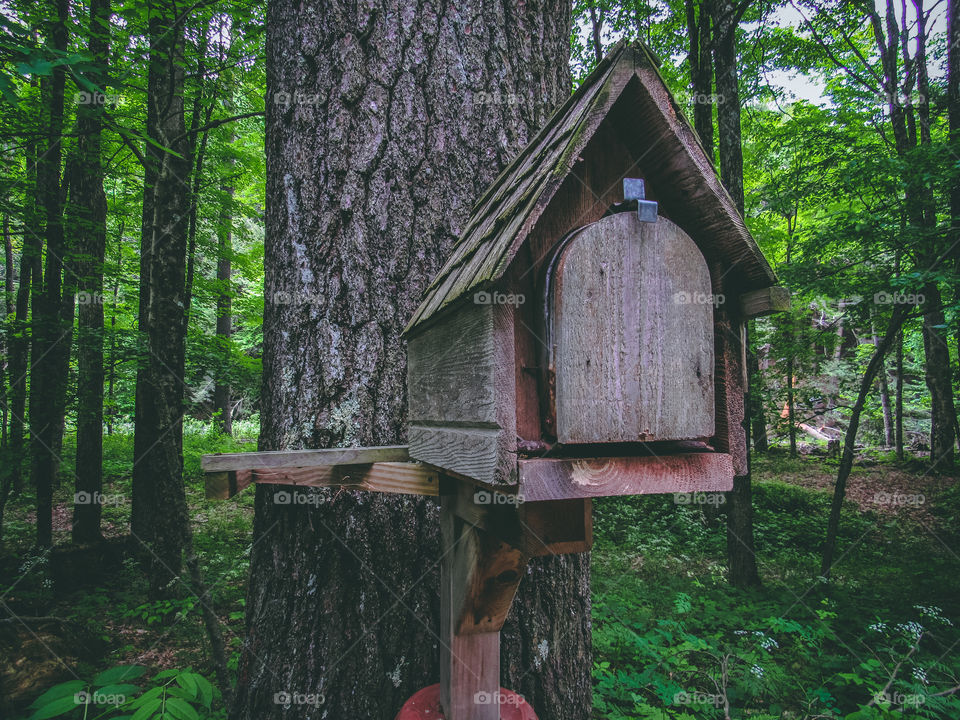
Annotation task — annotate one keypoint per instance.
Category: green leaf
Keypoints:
(186, 681)
(148, 697)
(117, 674)
(69, 688)
(206, 689)
(181, 709)
(59, 706)
(147, 709)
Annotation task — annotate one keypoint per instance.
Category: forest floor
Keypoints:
(671, 638)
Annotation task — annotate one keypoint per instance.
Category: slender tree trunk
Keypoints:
(19, 353)
(791, 410)
(221, 390)
(90, 206)
(953, 118)
(758, 420)
(158, 435)
(937, 361)
(48, 332)
(596, 25)
(850, 440)
(728, 100)
(112, 363)
(375, 156)
(6, 474)
(884, 388)
(699, 26)
(196, 174)
(898, 406)
(10, 281)
(888, 434)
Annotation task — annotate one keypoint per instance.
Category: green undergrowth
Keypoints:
(673, 640)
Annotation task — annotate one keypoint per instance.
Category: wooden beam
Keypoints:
(566, 478)
(304, 458)
(379, 469)
(764, 302)
(403, 478)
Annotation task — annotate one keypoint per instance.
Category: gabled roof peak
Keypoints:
(661, 140)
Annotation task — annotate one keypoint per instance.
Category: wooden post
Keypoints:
(469, 663)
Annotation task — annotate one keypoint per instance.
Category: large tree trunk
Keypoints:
(158, 435)
(741, 557)
(49, 335)
(376, 150)
(90, 208)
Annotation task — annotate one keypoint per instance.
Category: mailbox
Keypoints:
(585, 337)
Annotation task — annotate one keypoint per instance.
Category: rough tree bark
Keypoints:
(385, 122)
(90, 223)
(159, 513)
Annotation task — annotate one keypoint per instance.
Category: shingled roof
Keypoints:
(509, 209)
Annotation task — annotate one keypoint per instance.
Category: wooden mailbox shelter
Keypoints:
(551, 323)
(584, 339)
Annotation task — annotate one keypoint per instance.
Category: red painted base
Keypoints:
(425, 705)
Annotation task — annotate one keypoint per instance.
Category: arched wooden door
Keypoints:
(631, 333)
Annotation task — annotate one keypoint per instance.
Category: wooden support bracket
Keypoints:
(553, 527)
(764, 302)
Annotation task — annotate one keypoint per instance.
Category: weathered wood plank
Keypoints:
(764, 302)
(470, 452)
(559, 479)
(303, 458)
(451, 369)
(399, 478)
(461, 382)
(402, 478)
(557, 527)
(632, 335)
